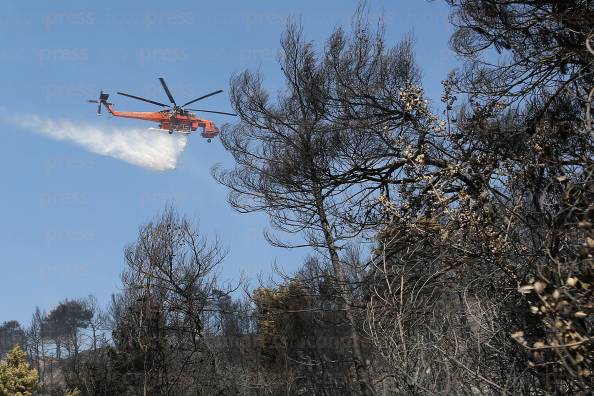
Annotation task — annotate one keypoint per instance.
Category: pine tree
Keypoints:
(17, 378)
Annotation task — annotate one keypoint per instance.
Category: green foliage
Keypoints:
(17, 378)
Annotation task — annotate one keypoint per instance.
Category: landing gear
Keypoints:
(170, 131)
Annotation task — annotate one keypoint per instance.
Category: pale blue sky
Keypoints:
(66, 213)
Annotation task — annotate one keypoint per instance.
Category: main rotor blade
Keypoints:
(212, 111)
(143, 99)
(203, 97)
(167, 91)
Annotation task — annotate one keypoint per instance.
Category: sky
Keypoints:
(67, 210)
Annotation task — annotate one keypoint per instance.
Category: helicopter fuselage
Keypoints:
(169, 120)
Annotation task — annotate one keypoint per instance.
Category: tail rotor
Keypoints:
(102, 100)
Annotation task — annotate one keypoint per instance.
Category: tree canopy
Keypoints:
(17, 378)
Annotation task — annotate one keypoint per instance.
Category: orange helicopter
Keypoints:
(174, 119)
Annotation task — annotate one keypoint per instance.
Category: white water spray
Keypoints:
(151, 149)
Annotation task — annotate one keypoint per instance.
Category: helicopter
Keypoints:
(174, 118)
